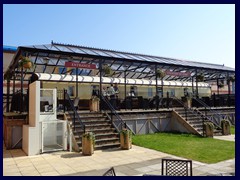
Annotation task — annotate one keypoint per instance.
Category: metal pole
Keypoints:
(76, 82)
(192, 85)
(125, 89)
(100, 90)
(156, 79)
(196, 84)
(229, 92)
(8, 94)
(64, 100)
(21, 108)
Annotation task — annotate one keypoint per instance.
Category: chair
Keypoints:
(110, 172)
(176, 167)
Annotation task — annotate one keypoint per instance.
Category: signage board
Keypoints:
(80, 65)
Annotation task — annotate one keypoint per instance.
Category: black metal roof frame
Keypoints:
(137, 66)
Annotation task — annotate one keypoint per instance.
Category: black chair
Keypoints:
(176, 167)
(110, 172)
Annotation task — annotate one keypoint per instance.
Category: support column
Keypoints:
(193, 85)
(197, 84)
(21, 108)
(100, 90)
(125, 88)
(229, 91)
(8, 95)
(156, 79)
(76, 82)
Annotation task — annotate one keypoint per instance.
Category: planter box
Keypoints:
(125, 141)
(87, 146)
(94, 105)
(208, 131)
(225, 128)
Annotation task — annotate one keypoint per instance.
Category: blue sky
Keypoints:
(203, 33)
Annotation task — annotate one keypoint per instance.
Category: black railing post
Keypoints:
(185, 113)
(214, 100)
(168, 100)
(74, 117)
(64, 100)
(203, 129)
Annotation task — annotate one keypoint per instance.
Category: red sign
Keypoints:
(172, 73)
(80, 65)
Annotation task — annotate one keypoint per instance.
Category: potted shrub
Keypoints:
(220, 85)
(200, 77)
(88, 143)
(25, 62)
(225, 124)
(160, 73)
(126, 139)
(107, 70)
(208, 128)
(231, 79)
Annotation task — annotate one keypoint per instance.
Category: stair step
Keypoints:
(106, 140)
(107, 146)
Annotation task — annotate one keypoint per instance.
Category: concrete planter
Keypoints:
(94, 105)
(88, 141)
(225, 127)
(126, 139)
(208, 129)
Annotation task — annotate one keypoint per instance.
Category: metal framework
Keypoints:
(51, 58)
(138, 65)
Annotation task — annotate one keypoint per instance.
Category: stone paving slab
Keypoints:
(134, 162)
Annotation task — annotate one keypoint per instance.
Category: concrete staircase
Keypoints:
(194, 119)
(105, 134)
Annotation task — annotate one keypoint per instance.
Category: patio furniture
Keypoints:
(176, 167)
(110, 172)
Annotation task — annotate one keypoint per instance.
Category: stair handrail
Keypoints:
(113, 111)
(203, 115)
(76, 115)
(210, 110)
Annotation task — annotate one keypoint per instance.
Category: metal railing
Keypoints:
(118, 123)
(218, 117)
(73, 112)
(202, 118)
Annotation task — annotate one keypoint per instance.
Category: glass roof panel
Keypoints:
(77, 50)
(101, 53)
(52, 47)
(39, 47)
(141, 57)
(113, 54)
(122, 55)
(88, 51)
(62, 48)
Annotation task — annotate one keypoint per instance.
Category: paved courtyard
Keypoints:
(134, 162)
